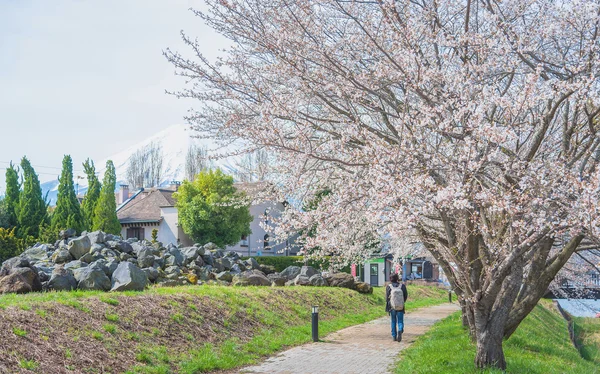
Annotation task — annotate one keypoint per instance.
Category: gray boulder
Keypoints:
(75, 265)
(96, 249)
(225, 276)
(218, 266)
(252, 264)
(210, 246)
(251, 278)
(60, 256)
(145, 257)
(62, 280)
(68, 233)
(124, 256)
(344, 280)
(91, 278)
(87, 258)
(79, 246)
(36, 254)
(151, 273)
(308, 271)
(232, 255)
(277, 279)
(237, 268)
(208, 258)
(128, 277)
(291, 272)
(200, 249)
(124, 247)
(363, 287)
(172, 272)
(204, 273)
(189, 254)
(318, 281)
(102, 265)
(18, 276)
(267, 269)
(302, 280)
(96, 237)
(174, 258)
(225, 262)
(109, 253)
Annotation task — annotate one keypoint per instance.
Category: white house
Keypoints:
(149, 209)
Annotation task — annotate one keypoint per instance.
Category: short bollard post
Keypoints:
(450, 296)
(315, 323)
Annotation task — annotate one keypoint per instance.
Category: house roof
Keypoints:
(145, 205)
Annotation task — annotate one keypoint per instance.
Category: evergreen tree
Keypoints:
(105, 214)
(93, 193)
(68, 212)
(31, 212)
(11, 199)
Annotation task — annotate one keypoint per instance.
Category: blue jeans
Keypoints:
(397, 318)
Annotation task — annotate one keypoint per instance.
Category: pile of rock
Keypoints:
(99, 261)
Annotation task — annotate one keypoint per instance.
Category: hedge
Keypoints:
(282, 262)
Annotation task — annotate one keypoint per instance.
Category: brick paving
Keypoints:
(366, 348)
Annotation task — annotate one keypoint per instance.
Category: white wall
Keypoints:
(255, 239)
(147, 231)
(168, 230)
(380, 273)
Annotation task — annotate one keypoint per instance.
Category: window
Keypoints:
(244, 241)
(266, 242)
(135, 232)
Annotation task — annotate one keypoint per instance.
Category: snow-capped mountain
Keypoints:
(174, 141)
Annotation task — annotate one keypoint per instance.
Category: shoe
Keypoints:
(393, 338)
(399, 337)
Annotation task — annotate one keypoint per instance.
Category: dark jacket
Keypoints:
(387, 295)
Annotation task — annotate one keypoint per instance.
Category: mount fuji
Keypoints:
(174, 141)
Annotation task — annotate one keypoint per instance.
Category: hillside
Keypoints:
(541, 345)
(173, 330)
(175, 141)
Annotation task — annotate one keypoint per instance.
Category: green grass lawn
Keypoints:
(540, 345)
(189, 329)
(587, 331)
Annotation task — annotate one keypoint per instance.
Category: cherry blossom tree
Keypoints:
(472, 124)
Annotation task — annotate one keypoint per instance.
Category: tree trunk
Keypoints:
(489, 349)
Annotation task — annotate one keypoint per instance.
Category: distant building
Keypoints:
(154, 208)
(259, 243)
(149, 209)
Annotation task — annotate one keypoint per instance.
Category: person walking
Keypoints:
(395, 296)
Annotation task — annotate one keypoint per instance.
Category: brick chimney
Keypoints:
(123, 193)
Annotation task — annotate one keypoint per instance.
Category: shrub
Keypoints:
(10, 245)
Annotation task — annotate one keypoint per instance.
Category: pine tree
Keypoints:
(68, 212)
(105, 214)
(31, 212)
(93, 193)
(11, 199)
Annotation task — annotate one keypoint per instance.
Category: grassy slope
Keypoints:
(183, 329)
(587, 331)
(540, 345)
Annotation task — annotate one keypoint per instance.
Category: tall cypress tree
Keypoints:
(11, 200)
(68, 212)
(31, 212)
(92, 195)
(105, 214)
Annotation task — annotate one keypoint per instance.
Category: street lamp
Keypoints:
(315, 323)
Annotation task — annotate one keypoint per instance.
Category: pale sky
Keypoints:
(87, 77)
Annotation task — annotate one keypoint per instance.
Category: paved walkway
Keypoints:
(366, 348)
